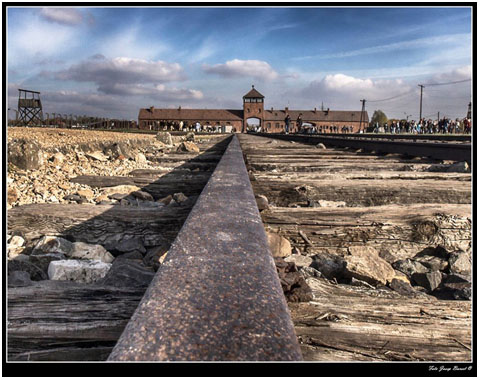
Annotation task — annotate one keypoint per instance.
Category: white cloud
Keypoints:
(65, 16)
(108, 73)
(157, 92)
(260, 70)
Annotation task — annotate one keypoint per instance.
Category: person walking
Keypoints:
(287, 123)
(299, 122)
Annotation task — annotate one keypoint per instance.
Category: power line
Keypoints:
(441, 84)
(393, 97)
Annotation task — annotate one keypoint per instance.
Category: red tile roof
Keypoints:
(253, 94)
(190, 114)
(319, 116)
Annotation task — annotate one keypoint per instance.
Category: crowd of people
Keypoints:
(425, 126)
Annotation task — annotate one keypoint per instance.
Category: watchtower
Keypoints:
(29, 107)
(252, 107)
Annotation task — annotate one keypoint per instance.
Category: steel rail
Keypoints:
(442, 151)
(217, 296)
(388, 136)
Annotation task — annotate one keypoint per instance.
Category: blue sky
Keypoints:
(110, 62)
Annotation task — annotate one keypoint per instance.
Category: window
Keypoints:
(269, 125)
(259, 110)
(247, 100)
(277, 125)
(248, 109)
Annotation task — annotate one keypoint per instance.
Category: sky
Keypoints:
(110, 62)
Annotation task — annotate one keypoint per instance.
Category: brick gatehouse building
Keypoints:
(270, 120)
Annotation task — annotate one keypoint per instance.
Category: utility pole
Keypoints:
(361, 115)
(421, 96)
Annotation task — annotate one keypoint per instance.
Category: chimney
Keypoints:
(272, 109)
(315, 110)
(286, 109)
(179, 108)
(152, 108)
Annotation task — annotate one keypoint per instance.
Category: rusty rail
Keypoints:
(217, 296)
(399, 136)
(442, 151)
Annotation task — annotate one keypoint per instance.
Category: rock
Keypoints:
(140, 158)
(463, 294)
(52, 244)
(356, 282)
(387, 256)
(97, 156)
(429, 281)
(19, 278)
(14, 252)
(459, 167)
(75, 198)
(155, 256)
(433, 263)
(142, 195)
(43, 260)
(320, 146)
(190, 136)
(86, 193)
(36, 273)
(299, 260)
(262, 202)
(132, 255)
(310, 272)
(294, 286)
(16, 241)
(102, 198)
(58, 159)
(179, 197)
(187, 146)
(331, 266)
(364, 264)
(25, 154)
(402, 287)
(322, 203)
(409, 267)
(459, 262)
(85, 272)
(165, 137)
(279, 246)
(166, 200)
(12, 195)
(130, 245)
(118, 196)
(129, 274)
(457, 278)
(400, 276)
(120, 189)
(86, 251)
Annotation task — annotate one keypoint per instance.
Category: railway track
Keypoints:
(400, 136)
(217, 295)
(437, 150)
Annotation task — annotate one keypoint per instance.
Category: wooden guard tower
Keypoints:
(29, 107)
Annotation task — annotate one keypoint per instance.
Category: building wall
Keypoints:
(279, 126)
(252, 110)
(155, 125)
